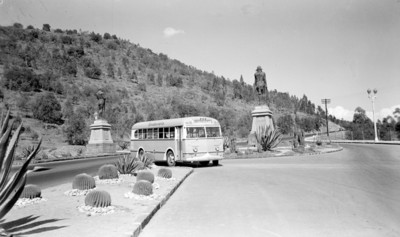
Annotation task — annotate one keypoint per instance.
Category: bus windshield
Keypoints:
(213, 132)
(195, 132)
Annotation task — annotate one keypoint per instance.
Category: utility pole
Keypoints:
(372, 96)
(326, 102)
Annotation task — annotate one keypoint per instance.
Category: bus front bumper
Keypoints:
(202, 157)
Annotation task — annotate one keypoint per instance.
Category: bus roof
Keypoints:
(176, 122)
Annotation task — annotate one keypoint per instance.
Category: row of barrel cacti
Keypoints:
(100, 198)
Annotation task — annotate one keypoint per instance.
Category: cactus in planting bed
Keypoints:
(148, 160)
(268, 138)
(127, 164)
(83, 182)
(108, 172)
(11, 187)
(31, 191)
(143, 187)
(98, 198)
(164, 173)
(145, 175)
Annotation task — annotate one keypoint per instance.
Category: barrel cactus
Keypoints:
(31, 191)
(164, 173)
(108, 172)
(83, 182)
(143, 187)
(145, 175)
(98, 198)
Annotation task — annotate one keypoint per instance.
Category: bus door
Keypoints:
(178, 155)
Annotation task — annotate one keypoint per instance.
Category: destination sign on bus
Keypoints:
(156, 124)
(202, 120)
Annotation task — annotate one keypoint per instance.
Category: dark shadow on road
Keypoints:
(23, 226)
(196, 165)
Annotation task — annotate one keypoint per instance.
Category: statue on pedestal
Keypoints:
(260, 85)
(101, 103)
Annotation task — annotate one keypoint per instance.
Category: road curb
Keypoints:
(148, 217)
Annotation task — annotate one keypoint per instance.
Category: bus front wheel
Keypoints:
(170, 158)
(141, 154)
(215, 162)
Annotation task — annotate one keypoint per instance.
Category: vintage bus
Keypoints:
(191, 139)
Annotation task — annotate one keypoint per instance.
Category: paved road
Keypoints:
(355, 192)
(64, 171)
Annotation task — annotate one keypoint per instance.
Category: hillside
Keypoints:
(138, 84)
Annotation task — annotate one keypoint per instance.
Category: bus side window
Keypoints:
(166, 132)
(140, 133)
(172, 132)
(156, 133)
(136, 134)
(150, 133)
(202, 132)
(189, 133)
(160, 133)
(144, 133)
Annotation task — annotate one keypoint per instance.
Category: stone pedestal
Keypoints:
(262, 116)
(100, 141)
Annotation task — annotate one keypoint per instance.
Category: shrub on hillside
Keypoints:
(93, 72)
(66, 39)
(18, 25)
(107, 36)
(46, 27)
(75, 51)
(46, 108)
(90, 69)
(76, 130)
(95, 37)
(112, 45)
(20, 78)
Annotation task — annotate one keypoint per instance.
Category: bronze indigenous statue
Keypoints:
(101, 103)
(260, 84)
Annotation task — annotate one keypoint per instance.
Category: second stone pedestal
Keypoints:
(262, 116)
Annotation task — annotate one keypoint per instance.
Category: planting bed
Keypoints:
(64, 215)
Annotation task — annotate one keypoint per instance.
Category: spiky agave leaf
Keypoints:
(6, 205)
(11, 188)
(3, 148)
(267, 137)
(8, 157)
(4, 123)
(14, 180)
(274, 138)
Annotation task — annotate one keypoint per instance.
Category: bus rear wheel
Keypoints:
(170, 158)
(215, 162)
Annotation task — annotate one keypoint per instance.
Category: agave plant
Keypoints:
(268, 138)
(148, 160)
(127, 164)
(11, 187)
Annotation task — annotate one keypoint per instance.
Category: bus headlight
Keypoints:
(195, 149)
(217, 148)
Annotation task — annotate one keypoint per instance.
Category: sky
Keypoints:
(321, 48)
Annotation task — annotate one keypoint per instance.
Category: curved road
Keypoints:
(355, 192)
